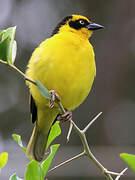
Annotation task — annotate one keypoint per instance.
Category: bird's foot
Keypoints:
(54, 97)
(67, 116)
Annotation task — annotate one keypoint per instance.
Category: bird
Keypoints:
(65, 64)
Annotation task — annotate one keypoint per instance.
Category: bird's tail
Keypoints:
(37, 144)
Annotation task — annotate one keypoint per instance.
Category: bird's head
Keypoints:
(77, 24)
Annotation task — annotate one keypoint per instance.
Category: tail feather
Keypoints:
(37, 144)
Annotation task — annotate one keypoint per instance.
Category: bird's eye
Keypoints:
(81, 22)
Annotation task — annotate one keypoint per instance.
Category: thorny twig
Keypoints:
(87, 152)
(67, 161)
(122, 173)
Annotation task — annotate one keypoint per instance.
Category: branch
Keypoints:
(87, 152)
(67, 161)
(122, 173)
(91, 122)
(69, 131)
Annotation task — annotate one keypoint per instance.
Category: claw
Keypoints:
(67, 116)
(55, 97)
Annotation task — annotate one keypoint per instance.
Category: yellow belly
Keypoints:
(66, 65)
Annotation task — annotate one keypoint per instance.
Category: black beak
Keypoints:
(93, 26)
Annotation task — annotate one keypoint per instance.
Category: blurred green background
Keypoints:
(113, 91)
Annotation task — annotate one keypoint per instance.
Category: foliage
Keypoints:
(129, 159)
(55, 131)
(3, 159)
(8, 46)
(14, 177)
(17, 138)
(34, 169)
(44, 91)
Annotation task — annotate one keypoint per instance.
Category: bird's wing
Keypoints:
(33, 109)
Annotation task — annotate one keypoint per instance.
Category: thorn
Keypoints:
(91, 122)
(120, 174)
(70, 130)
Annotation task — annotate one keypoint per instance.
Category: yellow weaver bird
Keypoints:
(65, 62)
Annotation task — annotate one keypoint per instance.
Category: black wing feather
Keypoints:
(33, 109)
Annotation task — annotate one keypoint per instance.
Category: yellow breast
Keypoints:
(66, 64)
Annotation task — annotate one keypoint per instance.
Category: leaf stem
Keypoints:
(18, 71)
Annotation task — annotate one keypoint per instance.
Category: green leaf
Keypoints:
(38, 171)
(1, 32)
(14, 177)
(47, 162)
(44, 91)
(3, 159)
(34, 171)
(129, 159)
(4, 48)
(55, 131)
(10, 33)
(17, 138)
(8, 46)
(14, 51)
